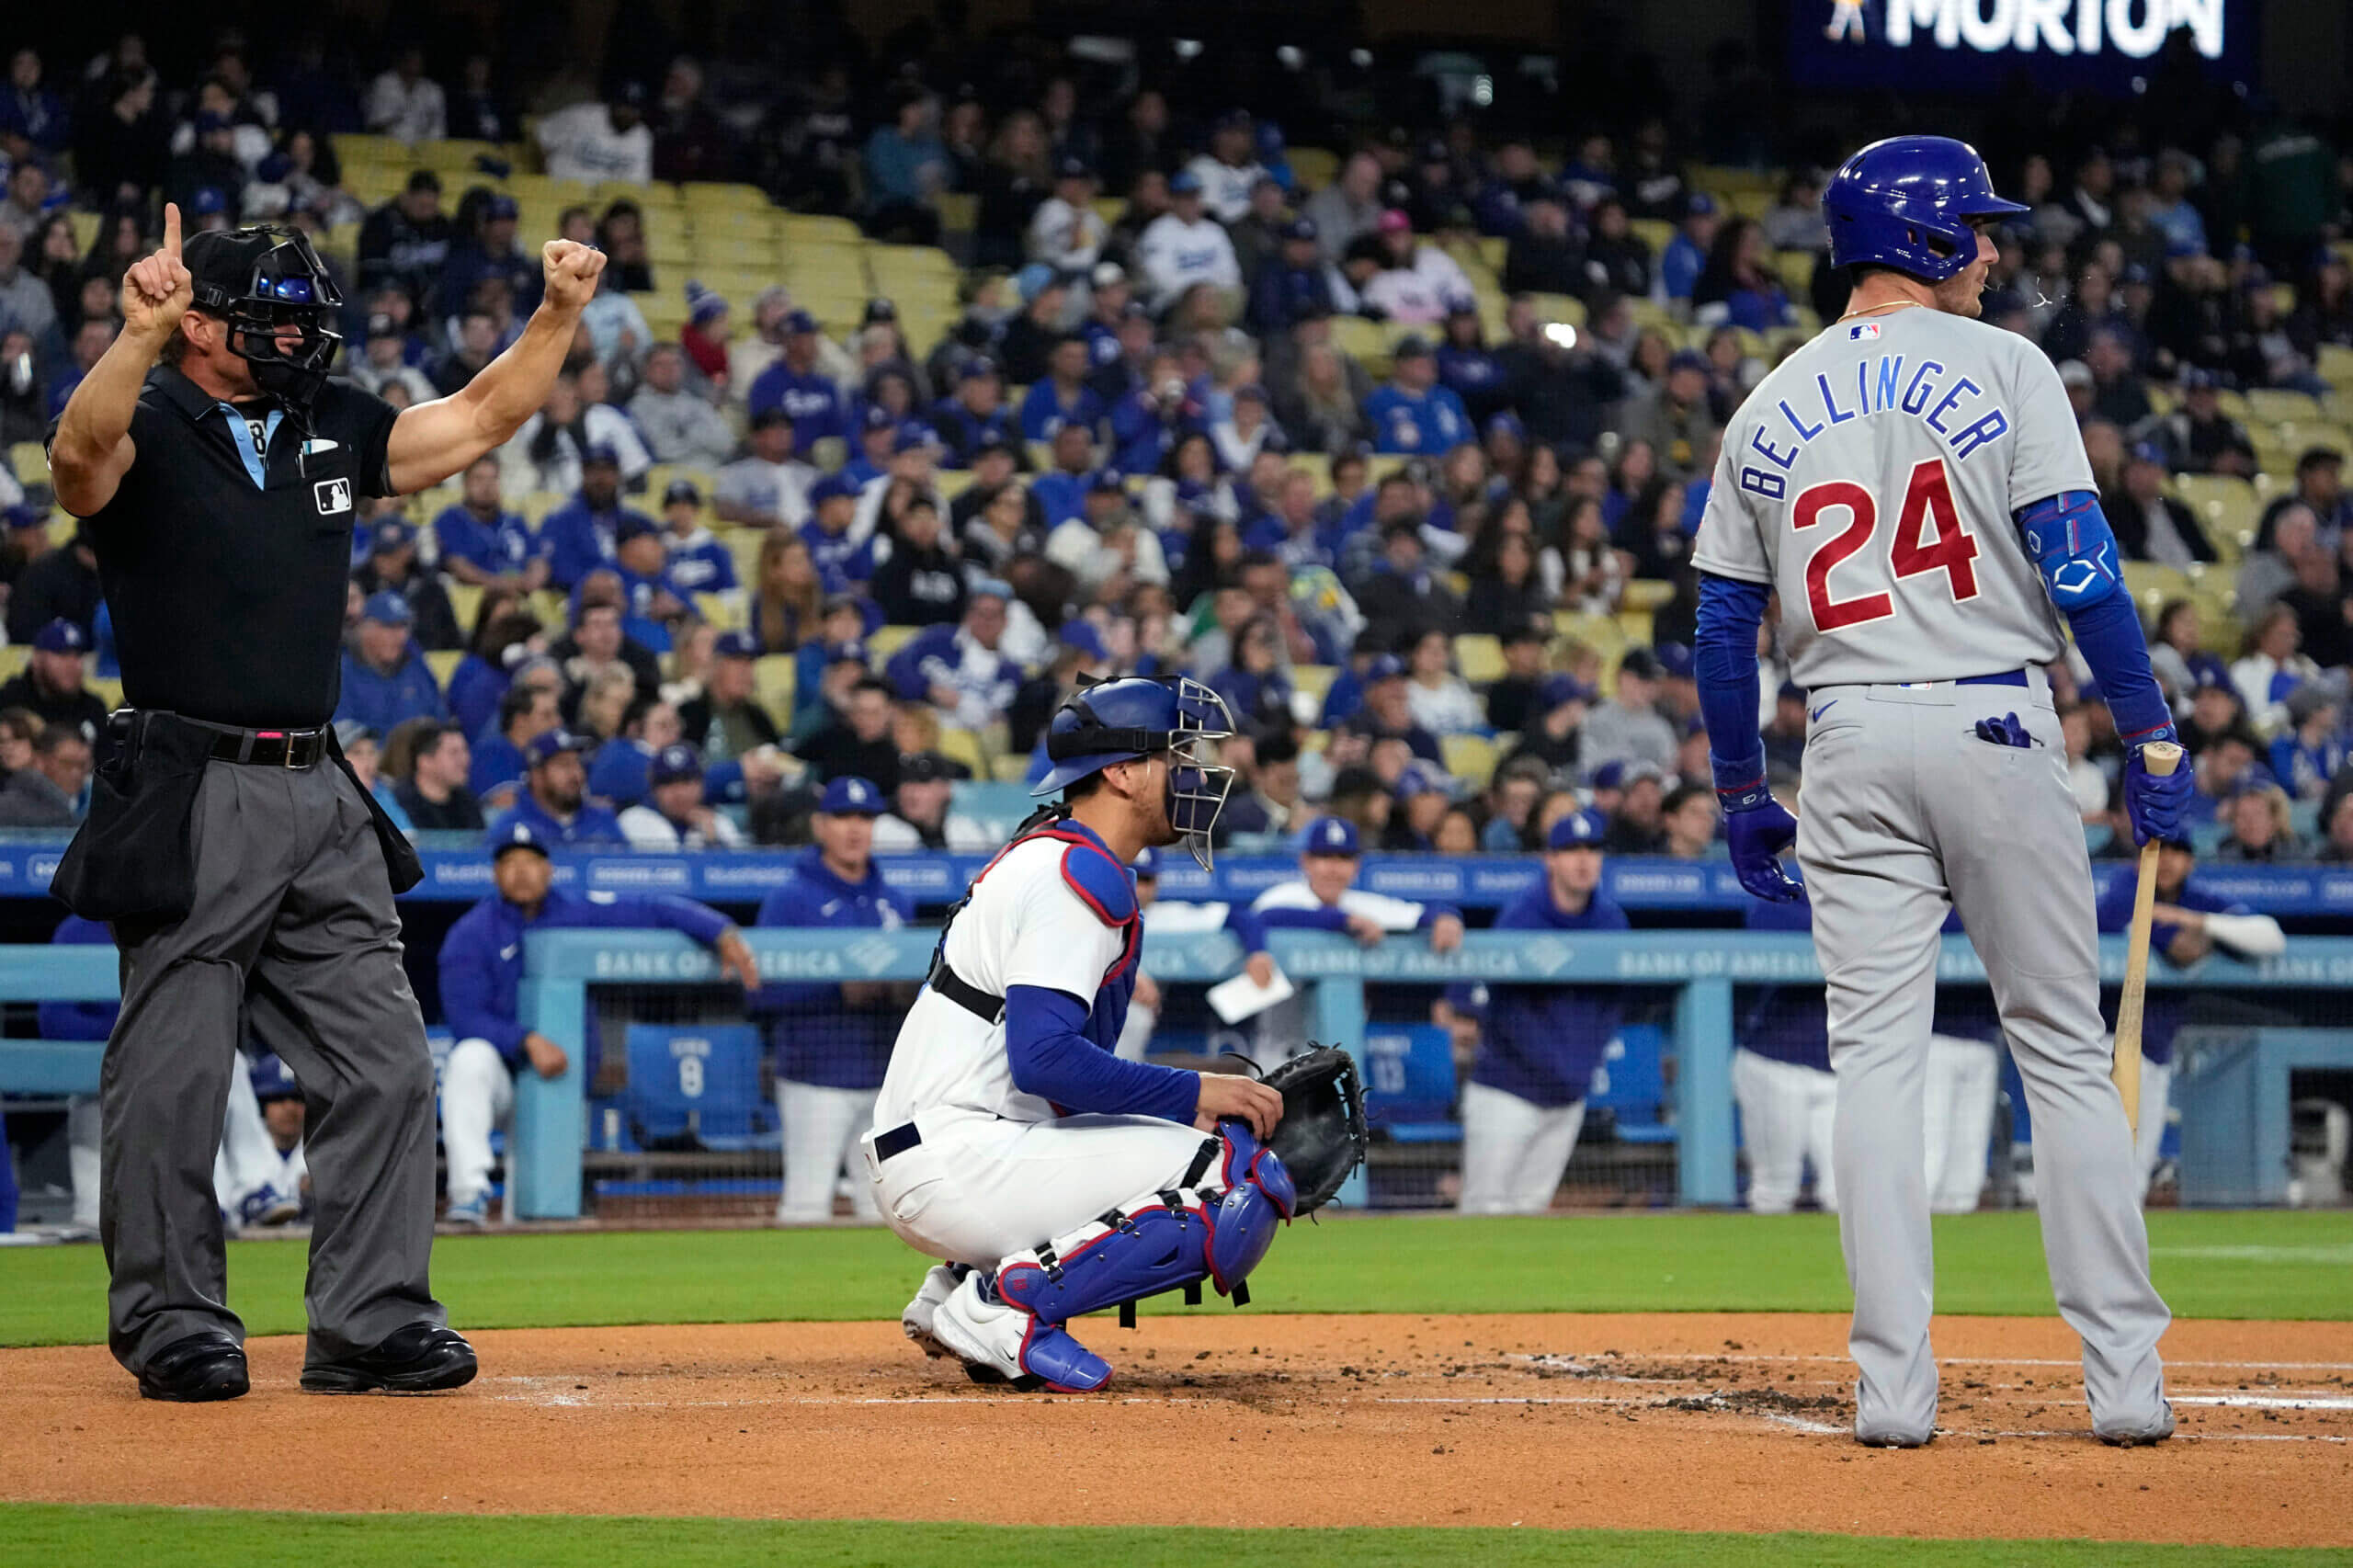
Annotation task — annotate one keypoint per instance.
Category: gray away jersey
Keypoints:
(1871, 480)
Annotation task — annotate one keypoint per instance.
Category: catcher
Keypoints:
(1054, 1178)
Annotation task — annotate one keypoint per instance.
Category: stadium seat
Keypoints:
(1654, 231)
(465, 602)
(1645, 593)
(1631, 1086)
(963, 745)
(1363, 341)
(2226, 508)
(1600, 632)
(724, 610)
(774, 677)
(28, 462)
(1313, 168)
(1010, 770)
(2152, 585)
(443, 661)
(14, 657)
(1471, 758)
(1479, 657)
(1409, 1084)
(700, 1084)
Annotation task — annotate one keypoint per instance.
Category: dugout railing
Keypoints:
(2259, 1030)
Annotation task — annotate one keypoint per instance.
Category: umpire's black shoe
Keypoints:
(196, 1370)
(423, 1358)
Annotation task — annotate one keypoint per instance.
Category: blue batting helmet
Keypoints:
(1906, 203)
(1139, 716)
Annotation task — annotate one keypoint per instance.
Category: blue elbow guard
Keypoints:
(2068, 538)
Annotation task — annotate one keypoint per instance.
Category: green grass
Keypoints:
(52, 1537)
(2268, 1264)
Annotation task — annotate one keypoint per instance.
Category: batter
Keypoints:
(1912, 484)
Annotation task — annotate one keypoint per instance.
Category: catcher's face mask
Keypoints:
(1136, 716)
(1198, 783)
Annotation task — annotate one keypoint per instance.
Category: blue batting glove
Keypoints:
(1757, 830)
(2154, 803)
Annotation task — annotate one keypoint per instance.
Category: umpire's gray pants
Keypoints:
(293, 916)
(1905, 810)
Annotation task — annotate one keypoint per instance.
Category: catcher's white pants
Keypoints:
(477, 1095)
(248, 1160)
(1962, 1079)
(821, 1129)
(1786, 1112)
(1514, 1150)
(979, 1187)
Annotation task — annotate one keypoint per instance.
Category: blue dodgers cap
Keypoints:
(1420, 778)
(1507, 423)
(913, 436)
(799, 321)
(601, 452)
(735, 645)
(682, 489)
(673, 763)
(1560, 690)
(1609, 776)
(877, 417)
(553, 743)
(635, 525)
(978, 366)
(1330, 835)
(62, 636)
(389, 607)
(1701, 205)
(1184, 182)
(833, 487)
(1577, 830)
(1082, 635)
(502, 208)
(1384, 666)
(516, 835)
(847, 654)
(851, 796)
(270, 1079)
(1107, 479)
(389, 535)
(1300, 229)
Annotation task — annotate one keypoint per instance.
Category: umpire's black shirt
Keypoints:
(224, 553)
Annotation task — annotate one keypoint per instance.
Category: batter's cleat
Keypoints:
(1888, 1439)
(938, 1282)
(199, 1370)
(266, 1206)
(2140, 1436)
(468, 1213)
(423, 1358)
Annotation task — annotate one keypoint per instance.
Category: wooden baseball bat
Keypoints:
(2161, 758)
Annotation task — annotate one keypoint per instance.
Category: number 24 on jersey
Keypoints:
(1927, 537)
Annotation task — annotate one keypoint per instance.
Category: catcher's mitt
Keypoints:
(1322, 1135)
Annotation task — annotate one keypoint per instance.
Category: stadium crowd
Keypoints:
(1399, 446)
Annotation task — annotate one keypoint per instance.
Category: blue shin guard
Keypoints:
(1168, 1240)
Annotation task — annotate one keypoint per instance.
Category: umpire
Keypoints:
(243, 869)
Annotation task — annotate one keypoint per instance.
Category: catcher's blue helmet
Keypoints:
(1906, 203)
(1138, 716)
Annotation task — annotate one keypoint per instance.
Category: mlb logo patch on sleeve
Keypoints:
(333, 495)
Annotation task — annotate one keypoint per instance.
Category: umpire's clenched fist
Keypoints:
(571, 268)
(157, 290)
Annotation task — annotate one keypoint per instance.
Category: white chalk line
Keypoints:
(2336, 1253)
(1591, 1361)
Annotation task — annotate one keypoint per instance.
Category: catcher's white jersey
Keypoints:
(1871, 478)
(1024, 926)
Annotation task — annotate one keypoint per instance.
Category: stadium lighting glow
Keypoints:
(1289, 57)
(1482, 90)
(1188, 48)
(1561, 334)
(1362, 59)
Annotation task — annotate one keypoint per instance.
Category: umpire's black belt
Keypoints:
(265, 748)
(985, 1005)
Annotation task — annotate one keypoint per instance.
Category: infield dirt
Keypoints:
(1698, 1421)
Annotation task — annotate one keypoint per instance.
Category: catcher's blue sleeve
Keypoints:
(1047, 1047)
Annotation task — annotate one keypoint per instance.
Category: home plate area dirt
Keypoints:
(1726, 1422)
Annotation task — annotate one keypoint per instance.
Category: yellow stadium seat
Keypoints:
(1364, 341)
(1653, 232)
(1796, 267)
(1313, 168)
(1010, 770)
(1559, 307)
(1110, 209)
(1646, 593)
(960, 210)
(443, 661)
(709, 194)
(550, 606)
(1480, 657)
(2226, 507)
(29, 463)
(809, 228)
(465, 602)
(2274, 405)
(108, 690)
(963, 745)
(1749, 204)
(1469, 757)
(773, 676)
(14, 658)
(743, 547)
(1600, 632)
(886, 641)
(534, 506)
(1636, 625)
(2152, 585)
(1314, 680)
(724, 610)
(2336, 366)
